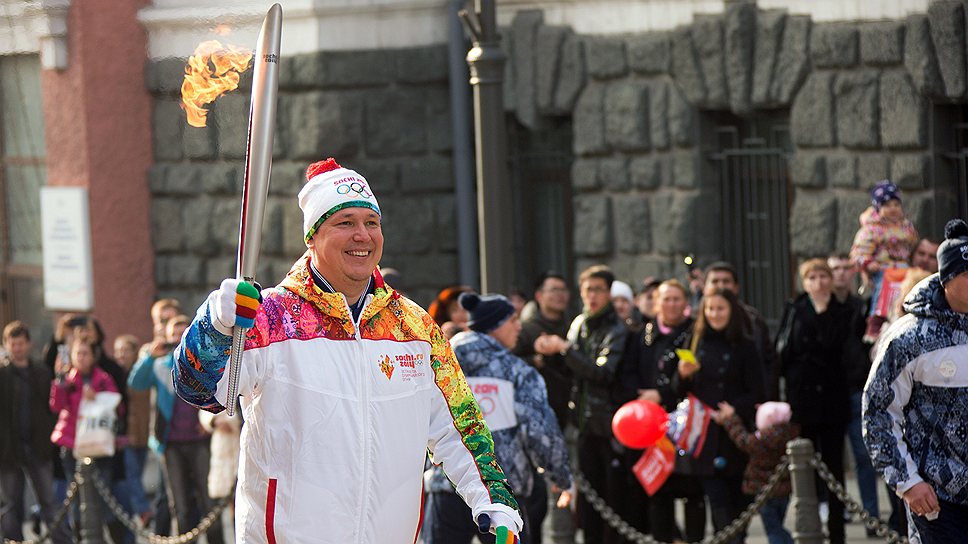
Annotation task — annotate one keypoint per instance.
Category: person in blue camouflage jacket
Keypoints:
(514, 401)
(916, 399)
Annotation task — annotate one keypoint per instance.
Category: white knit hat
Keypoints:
(329, 189)
(622, 289)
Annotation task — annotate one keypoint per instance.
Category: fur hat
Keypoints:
(953, 251)
(329, 189)
(487, 312)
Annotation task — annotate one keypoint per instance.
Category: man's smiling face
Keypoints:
(347, 247)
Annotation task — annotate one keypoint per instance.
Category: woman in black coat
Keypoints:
(729, 369)
(816, 346)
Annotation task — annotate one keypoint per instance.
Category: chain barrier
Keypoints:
(727, 534)
(596, 501)
(213, 517)
(870, 522)
(59, 517)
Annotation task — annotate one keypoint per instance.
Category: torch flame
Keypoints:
(212, 71)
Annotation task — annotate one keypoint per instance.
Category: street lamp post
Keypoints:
(494, 203)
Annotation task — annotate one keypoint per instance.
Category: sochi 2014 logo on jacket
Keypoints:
(411, 366)
(386, 366)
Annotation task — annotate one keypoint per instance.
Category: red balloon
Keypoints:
(639, 424)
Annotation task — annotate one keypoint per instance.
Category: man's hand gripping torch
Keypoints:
(258, 165)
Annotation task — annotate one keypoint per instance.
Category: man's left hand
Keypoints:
(500, 524)
(921, 499)
(567, 497)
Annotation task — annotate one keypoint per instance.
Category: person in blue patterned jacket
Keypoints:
(514, 401)
(916, 398)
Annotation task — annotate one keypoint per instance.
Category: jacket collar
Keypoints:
(299, 281)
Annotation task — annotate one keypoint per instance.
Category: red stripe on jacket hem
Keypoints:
(271, 512)
(423, 497)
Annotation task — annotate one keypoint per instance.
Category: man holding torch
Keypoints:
(345, 385)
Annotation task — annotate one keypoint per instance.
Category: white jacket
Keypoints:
(339, 418)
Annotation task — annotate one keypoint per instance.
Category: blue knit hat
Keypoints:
(487, 312)
(883, 192)
(953, 252)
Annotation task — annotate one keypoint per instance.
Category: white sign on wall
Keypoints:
(66, 230)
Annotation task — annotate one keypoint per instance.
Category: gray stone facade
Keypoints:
(857, 98)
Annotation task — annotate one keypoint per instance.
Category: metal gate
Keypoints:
(754, 196)
(539, 164)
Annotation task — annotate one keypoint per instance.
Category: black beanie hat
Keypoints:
(487, 312)
(953, 252)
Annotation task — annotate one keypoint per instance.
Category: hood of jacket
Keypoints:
(927, 300)
(485, 349)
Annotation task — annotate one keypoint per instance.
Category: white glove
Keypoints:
(501, 519)
(234, 303)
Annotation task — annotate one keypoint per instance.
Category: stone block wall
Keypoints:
(383, 113)
(858, 97)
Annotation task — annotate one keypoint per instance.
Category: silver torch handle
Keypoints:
(258, 165)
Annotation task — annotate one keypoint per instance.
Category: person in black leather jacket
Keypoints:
(729, 369)
(593, 351)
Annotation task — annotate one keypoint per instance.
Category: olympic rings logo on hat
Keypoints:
(354, 187)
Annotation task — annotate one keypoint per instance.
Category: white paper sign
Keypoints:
(496, 399)
(66, 230)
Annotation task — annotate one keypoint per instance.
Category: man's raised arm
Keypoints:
(204, 350)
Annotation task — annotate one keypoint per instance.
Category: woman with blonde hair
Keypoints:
(815, 345)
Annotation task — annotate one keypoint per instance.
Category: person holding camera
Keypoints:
(177, 437)
(77, 378)
(87, 329)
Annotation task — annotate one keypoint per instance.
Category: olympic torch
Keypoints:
(258, 165)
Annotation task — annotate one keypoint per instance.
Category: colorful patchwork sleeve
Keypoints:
(460, 441)
(200, 363)
(864, 246)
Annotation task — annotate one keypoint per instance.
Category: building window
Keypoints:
(22, 173)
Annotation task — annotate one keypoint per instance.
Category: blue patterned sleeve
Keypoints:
(886, 394)
(544, 442)
(200, 362)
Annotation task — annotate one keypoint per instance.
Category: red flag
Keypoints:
(655, 465)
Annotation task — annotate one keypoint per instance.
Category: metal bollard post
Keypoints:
(559, 524)
(807, 528)
(92, 530)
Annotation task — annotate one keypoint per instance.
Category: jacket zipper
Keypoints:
(365, 395)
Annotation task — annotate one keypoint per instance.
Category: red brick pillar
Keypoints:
(97, 118)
